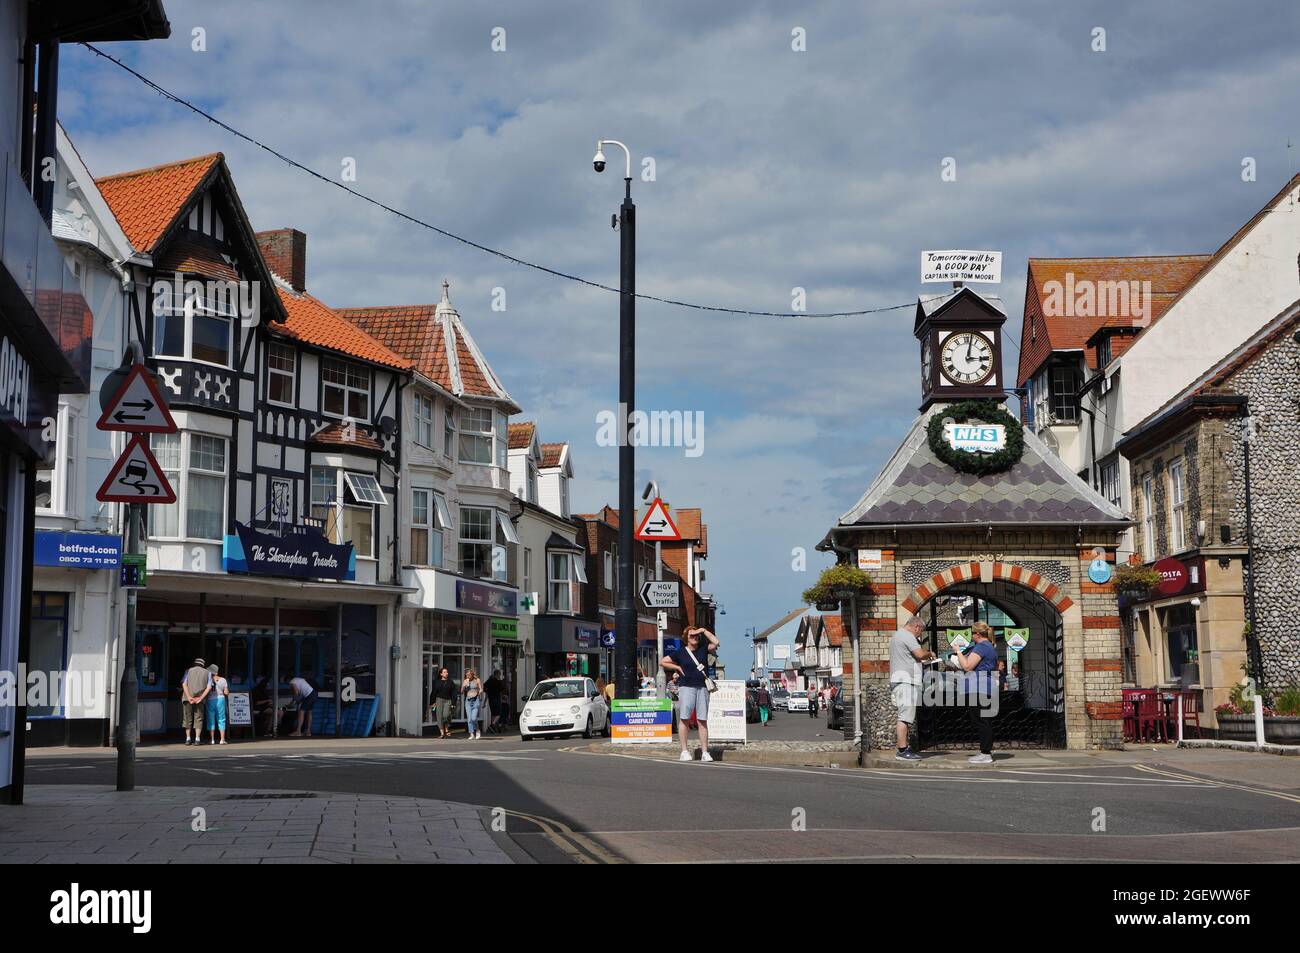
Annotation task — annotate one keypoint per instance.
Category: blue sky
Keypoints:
(775, 169)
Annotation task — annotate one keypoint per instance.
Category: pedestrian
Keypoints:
(217, 704)
(905, 657)
(442, 699)
(494, 693)
(812, 703)
(472, 689)
(195, 685)
(764, 701)
(980, 663)
(609, 693)
(305, 694)
(693, 687)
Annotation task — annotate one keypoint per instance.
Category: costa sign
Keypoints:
(1173, 576)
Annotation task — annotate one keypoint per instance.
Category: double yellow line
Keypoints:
(580, 847)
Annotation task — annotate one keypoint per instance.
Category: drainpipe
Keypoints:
(860, 740)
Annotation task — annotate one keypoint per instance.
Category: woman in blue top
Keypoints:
(688, 666)
(981, 659)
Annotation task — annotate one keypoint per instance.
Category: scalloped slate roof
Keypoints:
(917, 487)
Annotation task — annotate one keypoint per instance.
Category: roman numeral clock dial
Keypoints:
(967, 357)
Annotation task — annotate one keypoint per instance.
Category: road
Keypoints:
(619, 804)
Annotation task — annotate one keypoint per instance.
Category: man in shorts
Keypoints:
(905, 657)
(689, 662)
(195, 686)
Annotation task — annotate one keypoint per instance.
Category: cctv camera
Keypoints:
(598, 161)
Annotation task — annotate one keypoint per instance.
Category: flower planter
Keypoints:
(1237, 728)
(828, 605)
(1282, 729)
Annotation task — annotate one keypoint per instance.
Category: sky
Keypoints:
(774, 168)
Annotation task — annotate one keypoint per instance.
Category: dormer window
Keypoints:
(196, 328)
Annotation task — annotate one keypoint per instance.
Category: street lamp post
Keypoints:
(625, 681)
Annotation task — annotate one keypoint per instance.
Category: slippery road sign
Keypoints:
(136, 477)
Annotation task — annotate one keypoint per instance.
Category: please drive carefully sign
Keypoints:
(641, 720)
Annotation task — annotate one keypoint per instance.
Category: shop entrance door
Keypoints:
(505, 659)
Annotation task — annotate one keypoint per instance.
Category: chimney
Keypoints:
(285, 251)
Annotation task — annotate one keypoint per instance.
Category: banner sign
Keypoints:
(961, 265)
(479, 598)
(77, 550)
(642, 720)
(587, 635)
(727, 712)
(303, 553)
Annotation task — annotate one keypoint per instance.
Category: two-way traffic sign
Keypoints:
(657, 524)
(660, 595)
(138, 406)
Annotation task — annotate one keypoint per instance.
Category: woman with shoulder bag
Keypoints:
(693, 687)
(472, 689)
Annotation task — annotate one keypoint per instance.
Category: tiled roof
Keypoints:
(551, 455)
(917, 487)
(784, 620)
(1041, 333)
(314, 322)
(147, 201)
(834, 629)
(435, 340)
(355, 438)
(521, 434)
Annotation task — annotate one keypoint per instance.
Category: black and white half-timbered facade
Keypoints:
(277, 558)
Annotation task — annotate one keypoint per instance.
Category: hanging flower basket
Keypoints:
(1137, 582)
(835, 585)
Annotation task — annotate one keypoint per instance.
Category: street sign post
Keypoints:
(136, 407)
(657, 525)
(661, 595)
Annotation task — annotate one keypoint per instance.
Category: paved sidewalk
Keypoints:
(97, 824)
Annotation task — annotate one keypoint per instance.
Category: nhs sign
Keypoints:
(976, 438)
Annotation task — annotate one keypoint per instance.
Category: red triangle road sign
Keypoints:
(136, 477)
(657, 524)
(138, 406)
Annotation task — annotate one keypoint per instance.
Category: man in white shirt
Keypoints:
(905, 657)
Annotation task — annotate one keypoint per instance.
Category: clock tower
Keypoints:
(961, 347)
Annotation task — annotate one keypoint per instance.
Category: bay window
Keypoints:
(345, 389)
(424, 420)
(429, 519)
(345, 502)
(560, 582)
(197, 327)
(195, 466)
(477, 533)
(483, 437)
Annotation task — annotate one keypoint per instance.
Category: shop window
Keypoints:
(345, 389)
(48, 654)
(200, 485)
(237, 661)
(1180, 635)
(281, 374)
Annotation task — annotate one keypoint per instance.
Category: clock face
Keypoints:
(967, 357)
(926, 364)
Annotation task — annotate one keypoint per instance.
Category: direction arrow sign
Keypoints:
(660, 595)
(657, 524)
(136, 477)
(138, 406)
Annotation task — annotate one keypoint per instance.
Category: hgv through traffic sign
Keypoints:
(136, 477)
(660, 595)
(657, 524)
(138, 406)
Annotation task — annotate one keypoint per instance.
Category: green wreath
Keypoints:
(985, 411)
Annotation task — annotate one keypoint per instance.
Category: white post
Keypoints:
(661, 677)
(1259, 720)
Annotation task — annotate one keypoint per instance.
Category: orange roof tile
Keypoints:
(521, 434)
(419, 332)
(1043, 333)
(551, 454)
(192, 258)
(314, 322)
(147, 201)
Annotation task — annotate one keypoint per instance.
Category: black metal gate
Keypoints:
(1030, 709)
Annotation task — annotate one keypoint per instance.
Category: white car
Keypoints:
(564, 706)
(798, 701)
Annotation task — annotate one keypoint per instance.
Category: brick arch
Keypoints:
(970, 572)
